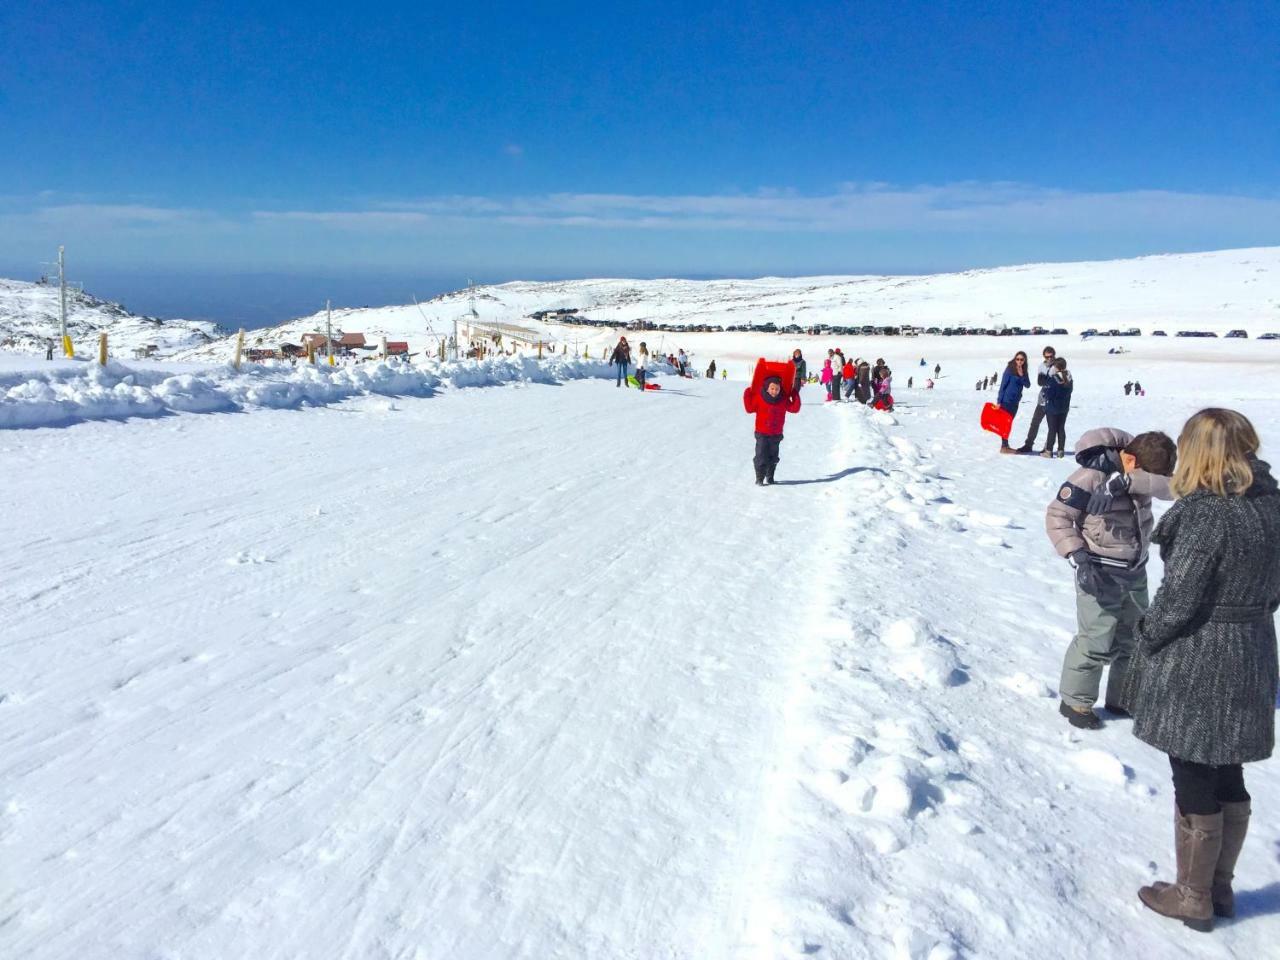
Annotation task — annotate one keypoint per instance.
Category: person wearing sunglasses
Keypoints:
(1012, 383)
(1043, 376)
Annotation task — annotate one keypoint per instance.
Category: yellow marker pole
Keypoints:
(102, 350)
(67, 350)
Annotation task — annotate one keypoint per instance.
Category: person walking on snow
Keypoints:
(1128, 388)
(642, 365)
(847, 376)
(1057, 404)
(837, 373)
(1012, 384)
(824, 378)
(1203, 683)
(937, 370)
(622, 357)
(770, 406)
(1101, 522)
(1037, 416)
(802, 368)
(711, 371)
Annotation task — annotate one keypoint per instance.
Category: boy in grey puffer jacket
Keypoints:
(1101, 521)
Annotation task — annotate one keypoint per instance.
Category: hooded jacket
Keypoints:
(802, 369)
(1120, 537)
(770, 412)
(1056, 395)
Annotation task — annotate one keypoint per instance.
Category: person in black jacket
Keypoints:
(1203, 681)
(1056, 400)
(802, 368)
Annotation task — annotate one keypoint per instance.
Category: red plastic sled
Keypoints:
(784, 370)
(997, 420)
(653, 386)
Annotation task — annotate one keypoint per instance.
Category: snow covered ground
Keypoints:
(536, 672)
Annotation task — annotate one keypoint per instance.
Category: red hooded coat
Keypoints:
(771, 413)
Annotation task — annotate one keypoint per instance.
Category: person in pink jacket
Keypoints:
(824, 378)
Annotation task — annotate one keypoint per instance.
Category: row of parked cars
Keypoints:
(870, 330)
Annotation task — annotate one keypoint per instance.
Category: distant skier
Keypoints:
(986, 382)
(1128, 388)
(937, 370)
(622, 357)
(711, 371)
(977, 384)
(770, 401)
(1101, 522)
(910, 382)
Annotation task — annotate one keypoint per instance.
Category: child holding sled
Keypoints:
(1101, 522)
(771, 396)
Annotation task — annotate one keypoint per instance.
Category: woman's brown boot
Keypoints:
(1235, 824)
(1198, 844)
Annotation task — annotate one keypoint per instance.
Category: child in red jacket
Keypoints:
(770, 397)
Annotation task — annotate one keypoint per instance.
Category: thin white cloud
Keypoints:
(513, 150)
(854, 208)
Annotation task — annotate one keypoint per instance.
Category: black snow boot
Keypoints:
(1083, 719)
(768, 476)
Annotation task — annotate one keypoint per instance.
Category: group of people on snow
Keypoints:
(857, 379)
(623, 358)
(1134, 388)
(1195, 669)
(1052, 404)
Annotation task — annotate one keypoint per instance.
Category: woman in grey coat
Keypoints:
(1203, 681)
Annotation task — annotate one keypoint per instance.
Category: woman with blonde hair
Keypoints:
(1204, 678)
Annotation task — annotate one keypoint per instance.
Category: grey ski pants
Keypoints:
(1104, 636)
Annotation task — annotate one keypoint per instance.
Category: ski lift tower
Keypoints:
(67, 349)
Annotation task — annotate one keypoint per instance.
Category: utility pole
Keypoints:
(328, 330)
(67, 349)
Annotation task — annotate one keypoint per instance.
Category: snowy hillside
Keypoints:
(29, 320)
(1217, 291)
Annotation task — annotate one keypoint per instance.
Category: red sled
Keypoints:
(997, 420)
(653, 386)
(883, 403)
(783, 370)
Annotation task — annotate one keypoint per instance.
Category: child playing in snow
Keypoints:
(770, 397)
(1101, 522)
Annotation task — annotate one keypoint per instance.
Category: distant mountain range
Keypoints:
(1217, 291)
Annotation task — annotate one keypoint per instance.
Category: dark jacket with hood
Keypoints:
(1203, 682)
(1120, 537)
(1057, 393)
(771, 412)
(802, 369)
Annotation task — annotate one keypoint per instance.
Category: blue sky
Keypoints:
(430, 142)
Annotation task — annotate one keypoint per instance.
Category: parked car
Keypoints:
(1270, 336)
(1091, 332)
(933, 332)
(1237, 335)
(1158, 333)
(1058, 332)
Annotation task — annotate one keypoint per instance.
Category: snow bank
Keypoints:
(113, 392)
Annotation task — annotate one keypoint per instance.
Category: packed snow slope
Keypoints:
(1217, 291)
(536, 672)
(29, 320)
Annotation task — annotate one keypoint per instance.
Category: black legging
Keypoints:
(1200, 789)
